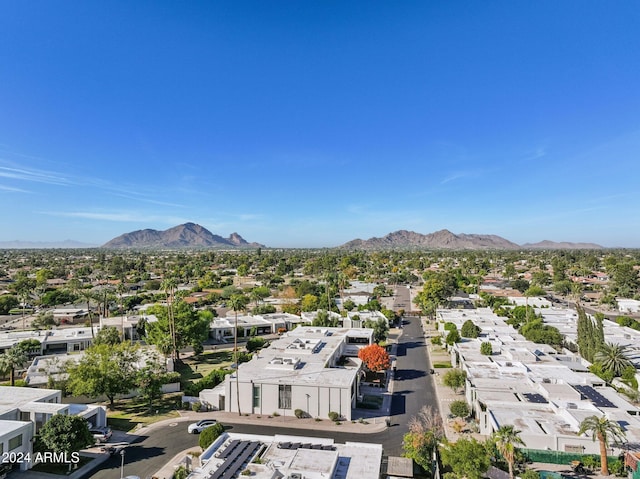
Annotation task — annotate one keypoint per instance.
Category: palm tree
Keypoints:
(613, 357)
(238, 302)
(12, 359)
(506, 439)
(169, 286)
(603, 430)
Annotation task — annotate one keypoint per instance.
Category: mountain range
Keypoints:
(445, 239)
(186, 236)
(194, 236)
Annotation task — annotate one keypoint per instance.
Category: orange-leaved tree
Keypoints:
(375, 358)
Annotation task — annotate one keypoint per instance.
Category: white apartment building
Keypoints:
(545, 394)
(23, 411)
(312, 369)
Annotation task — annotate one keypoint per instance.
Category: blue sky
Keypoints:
(308, 124)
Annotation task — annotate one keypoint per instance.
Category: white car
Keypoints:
(198, 427)
(101, 434)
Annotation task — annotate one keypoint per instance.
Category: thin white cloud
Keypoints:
(148, 200)
(122, 217)
(33, 175)
(456, 176)
(537, 154)
(14, 190)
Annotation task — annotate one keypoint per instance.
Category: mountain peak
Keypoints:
(185, 236)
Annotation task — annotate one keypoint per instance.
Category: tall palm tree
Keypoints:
(238, 302)
(14, 358)
(604, 430)
(613, 357)
(506, 439)
(169, 286)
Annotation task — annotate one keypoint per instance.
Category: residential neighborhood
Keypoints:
(302, 366)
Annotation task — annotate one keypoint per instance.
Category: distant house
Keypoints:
(70, 315)
(628, 305)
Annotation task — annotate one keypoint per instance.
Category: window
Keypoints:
(573, 448)
(256, 396)
(15, 442)
(284, 396)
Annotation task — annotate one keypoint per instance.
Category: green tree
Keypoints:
(604, 430)
(507, 439)
(177, 327)
(7, 303)
(455, 379)
(425, 432)
(237, 302)
(104, 369)
(467, 458)
(613, 358)
(590, 335)
(210, 434)
(107, 335)
(309, 302)
(324, 319)
(625, 280)
(453, 337)
(149, 380)
(380, 328)
(534, 290)
(11, 360)
(486, 348)
(469, 329)
(64, 433)
(255, 343)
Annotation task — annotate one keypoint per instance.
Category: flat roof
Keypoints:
(304, 354)
(284, 455)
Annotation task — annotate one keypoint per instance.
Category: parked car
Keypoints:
(198, 427)
(101, 434)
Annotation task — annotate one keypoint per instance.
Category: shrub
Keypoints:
(246, 472)
(181, 472)
(530, 474)
(210, 434)
(469, 329)
(299, 413)
(196, 406)
(255, 343)
(486, 348)
(453, 337)
(459, 408)
(334, 416)
(276, 414)
(436, 340)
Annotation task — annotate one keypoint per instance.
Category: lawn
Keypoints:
(130, 413)
(194, 368)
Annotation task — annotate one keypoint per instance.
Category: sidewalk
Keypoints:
(445, 395)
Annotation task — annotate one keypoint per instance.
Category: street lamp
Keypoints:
(308, 412)
(122, 463)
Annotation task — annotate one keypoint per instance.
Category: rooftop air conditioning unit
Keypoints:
(295, 475)
(572, 405)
